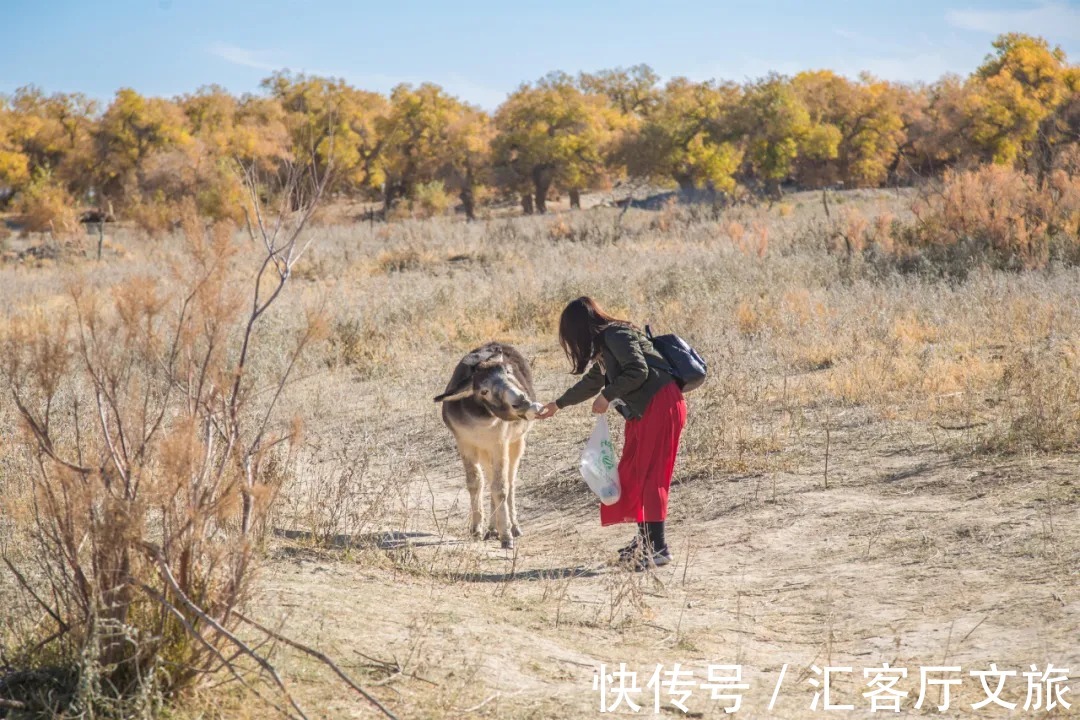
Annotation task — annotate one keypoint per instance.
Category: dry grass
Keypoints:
(949, 409)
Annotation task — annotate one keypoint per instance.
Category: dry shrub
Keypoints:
(335, 499)
(1040, 394)
(46, 207)
(995, 216)
(753, 242)
(174, 177)
(559, 229)
(155, 453)
(736, 231)
(431, 199)
(666, 219)
(594, 228)
(753, 319)
(402, 259)
(155, 217)
(356, 344)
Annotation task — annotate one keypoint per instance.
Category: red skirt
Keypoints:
(648, 460)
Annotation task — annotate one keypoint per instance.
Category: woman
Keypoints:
(629, 374)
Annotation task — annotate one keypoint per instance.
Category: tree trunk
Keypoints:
(541, 184)
(468, 203)
(468, 200)
(686, 184)
(388, 199)
(575, 199)
(393, 191)
(772, 189)
(527, 203)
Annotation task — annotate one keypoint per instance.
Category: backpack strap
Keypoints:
(657, 363)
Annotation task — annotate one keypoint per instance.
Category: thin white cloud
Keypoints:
(242, 57)
(919, 67)
(1053, 20)
(911, 65)
(488, 98)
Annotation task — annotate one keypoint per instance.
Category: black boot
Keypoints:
(628, 551)
(655, 551)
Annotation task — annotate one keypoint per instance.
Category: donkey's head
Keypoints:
(490, 380)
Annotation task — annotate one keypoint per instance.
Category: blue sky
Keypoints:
(481, 50)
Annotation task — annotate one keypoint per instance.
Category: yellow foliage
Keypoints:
(44, 206)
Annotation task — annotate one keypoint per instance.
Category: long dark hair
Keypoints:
(580, 325)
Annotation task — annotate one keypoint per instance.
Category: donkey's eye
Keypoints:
(485, 392)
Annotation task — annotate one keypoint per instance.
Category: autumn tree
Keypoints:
(634, 92)
(36, 129)
(936, 128)
(260, 134)
(133, 129)
(211, 115)
(14, 164)
(690, 136)
(53, 134)
(865, 119)
(431, 138)
(1021, 83)
(335, 123)
(469, 137)
(779, 129)
(553, 134)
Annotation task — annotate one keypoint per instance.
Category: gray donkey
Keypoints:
(488, 406)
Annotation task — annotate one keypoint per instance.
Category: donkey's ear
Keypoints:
(482, 355)
(461, 392)
(493, 360)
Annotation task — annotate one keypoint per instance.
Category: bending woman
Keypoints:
(621, 368)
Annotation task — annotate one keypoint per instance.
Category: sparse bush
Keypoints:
(431, 199)
(1040, 398)
(994, 216)
(45, 206)
(353, 344)
(155, 450)
(155, 217)
(151, 451)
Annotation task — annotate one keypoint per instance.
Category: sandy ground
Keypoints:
(909, 557)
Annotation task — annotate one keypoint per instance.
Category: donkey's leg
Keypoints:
(474, 481)
(489, 471)
(517, 449)
(499, 487)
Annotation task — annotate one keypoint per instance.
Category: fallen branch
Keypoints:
(166, 573)
(321, 658)
(227, 663)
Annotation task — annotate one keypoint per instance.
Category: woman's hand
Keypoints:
(600, 405)
(547, 411)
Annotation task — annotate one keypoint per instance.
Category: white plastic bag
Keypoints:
(598, 464)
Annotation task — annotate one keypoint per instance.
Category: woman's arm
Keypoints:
(582, 390)
(590, 384)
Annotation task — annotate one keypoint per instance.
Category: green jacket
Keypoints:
(628, 376)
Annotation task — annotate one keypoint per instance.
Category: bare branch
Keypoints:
(321, 658)
(166, 573)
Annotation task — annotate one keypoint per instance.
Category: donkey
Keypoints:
(488, 406)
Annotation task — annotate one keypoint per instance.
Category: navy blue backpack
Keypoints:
(683, 362)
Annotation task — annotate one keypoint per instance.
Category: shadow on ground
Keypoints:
(387, 540)
(526, 575)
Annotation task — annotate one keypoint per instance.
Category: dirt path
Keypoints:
(909, 557)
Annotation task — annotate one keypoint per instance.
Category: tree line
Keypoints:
(421, 149)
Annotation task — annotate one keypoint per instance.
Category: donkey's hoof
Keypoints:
(515, 530)
(508, 544)
(491, 534)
